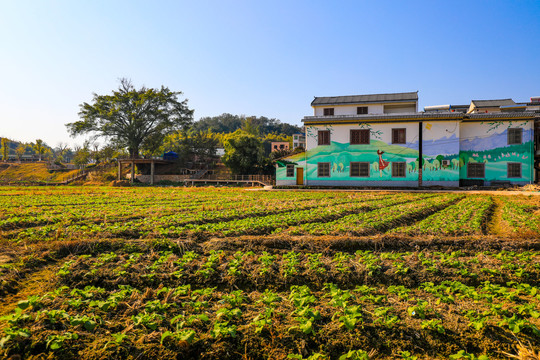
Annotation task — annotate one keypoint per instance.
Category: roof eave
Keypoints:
(366, 102)
(348, 119)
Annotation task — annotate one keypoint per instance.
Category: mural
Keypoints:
(493, 150)
(298, 160)
(445, 154)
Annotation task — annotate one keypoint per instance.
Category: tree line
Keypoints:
(38, 150)
(149, 122)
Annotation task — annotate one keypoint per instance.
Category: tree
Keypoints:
(250, 127)
(60, 150)
(195, 147)
(20, 150)
(107, 153)
(82, 155)
(5, 149)
(224, 123)
(133, 119)
(96, 154)
(243, 152)
(228, 123)
(40, 148)
(440, 159)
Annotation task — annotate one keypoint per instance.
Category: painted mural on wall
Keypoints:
(492, 149)
(445, 153)
(381, 154)
(298, 160)
(440, 149)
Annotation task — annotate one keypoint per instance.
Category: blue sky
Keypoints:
(258, 58)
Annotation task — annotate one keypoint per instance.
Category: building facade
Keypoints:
(279, 146)
(381, 140)
(299, 141)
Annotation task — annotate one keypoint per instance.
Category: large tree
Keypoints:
(133, 119)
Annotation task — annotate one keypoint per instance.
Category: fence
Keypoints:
(84, 172)
(265, 179)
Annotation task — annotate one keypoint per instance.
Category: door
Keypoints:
(299, 176)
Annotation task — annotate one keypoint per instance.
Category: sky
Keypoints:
(262, 58)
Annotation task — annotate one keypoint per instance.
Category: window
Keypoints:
(323, 169)
(329, 112)
(359, 169)
(324, 137)
(398, 136)
(514, 170)
(290, 170)
(515, 136)
(475, 170)
(398, 169)
(361, 110)
(359, 137)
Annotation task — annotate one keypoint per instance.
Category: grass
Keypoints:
(32, 172)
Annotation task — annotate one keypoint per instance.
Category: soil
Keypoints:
(36, 283)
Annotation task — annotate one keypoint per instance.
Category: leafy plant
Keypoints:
(55, 342)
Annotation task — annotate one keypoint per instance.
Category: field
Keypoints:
(174, 273)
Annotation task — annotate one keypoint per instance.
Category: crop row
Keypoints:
(226, 218)
(468, 216)
(160, 212)
(58, 203)
(179, 222)
(380, 219)
(280, 270)
(521, 216)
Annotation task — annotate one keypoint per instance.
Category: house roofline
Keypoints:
(446, 116)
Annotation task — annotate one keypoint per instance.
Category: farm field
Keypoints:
(165, 273)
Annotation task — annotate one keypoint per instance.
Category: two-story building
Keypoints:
(382, 140)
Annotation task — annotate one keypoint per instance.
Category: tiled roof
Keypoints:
(502, 115)
(365, 99)
(384, 117)
(493, 103)
(424, 116)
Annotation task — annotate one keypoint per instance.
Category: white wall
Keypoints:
(348, 109)
(399, 109)
(372, 109)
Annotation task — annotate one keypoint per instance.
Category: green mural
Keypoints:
(380, 156)
(444, 160)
